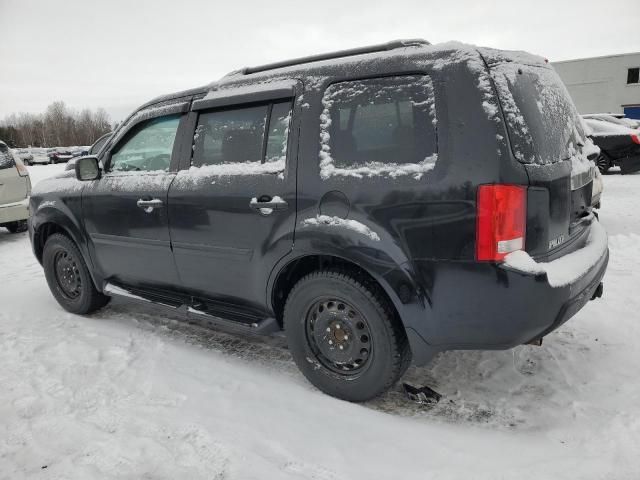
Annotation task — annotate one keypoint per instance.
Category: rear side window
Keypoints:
(148, 147)
(544, 125)
(6, 158)
(253, 135)
(382, 126)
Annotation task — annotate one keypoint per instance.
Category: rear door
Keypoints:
(125, 211)
(13, 187)
(232, 208)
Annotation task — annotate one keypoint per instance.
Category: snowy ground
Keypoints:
(128, 393)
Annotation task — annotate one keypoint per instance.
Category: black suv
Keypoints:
(379, 205)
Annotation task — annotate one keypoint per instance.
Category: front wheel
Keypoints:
(68, 276)
(344, 336)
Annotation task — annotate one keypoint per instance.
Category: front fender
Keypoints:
(64, 210)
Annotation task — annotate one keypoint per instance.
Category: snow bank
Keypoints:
(566, 269)
(325, 220)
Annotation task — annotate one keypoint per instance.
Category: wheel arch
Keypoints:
(54, 221)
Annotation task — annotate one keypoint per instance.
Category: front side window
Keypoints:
(148, 147)
(383, 126)
(252, 138)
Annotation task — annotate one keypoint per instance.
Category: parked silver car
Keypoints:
(24, 155)
(15, 189)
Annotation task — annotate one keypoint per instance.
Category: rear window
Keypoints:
(6, 158)
(379, 126)
(544, 125)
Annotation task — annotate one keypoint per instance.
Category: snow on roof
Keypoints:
(604, 128)
(222, 91)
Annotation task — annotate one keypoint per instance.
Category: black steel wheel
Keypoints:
(67, 274)
(68, 277)
(603, 163)
(339, 336)
(344, 336)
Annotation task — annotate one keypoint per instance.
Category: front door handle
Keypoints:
(266, 205)
(149, 205)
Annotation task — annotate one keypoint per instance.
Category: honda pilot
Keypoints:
(379, 205)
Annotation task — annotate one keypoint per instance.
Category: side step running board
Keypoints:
(266, 326)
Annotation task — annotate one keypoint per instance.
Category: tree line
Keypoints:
(58, 126)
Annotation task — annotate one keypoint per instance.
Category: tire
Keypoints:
(328, 309)
(16, 227)
(68, 276)
(603, 164)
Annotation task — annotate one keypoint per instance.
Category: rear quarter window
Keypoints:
(544, 125)
(382, 126)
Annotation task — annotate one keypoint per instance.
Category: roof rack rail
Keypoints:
(381, 47)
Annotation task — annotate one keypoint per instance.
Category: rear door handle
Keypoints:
(149, 205)
(267, 204)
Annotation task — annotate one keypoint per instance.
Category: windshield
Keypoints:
(544, 125)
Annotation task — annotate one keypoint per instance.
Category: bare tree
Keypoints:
(57, 126)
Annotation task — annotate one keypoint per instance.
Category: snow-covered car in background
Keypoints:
(619, 145)
(59, 155)
(25, 155)
(615, 118)
(15, 188)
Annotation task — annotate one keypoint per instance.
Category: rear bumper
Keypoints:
(480, 306)
(11, 212)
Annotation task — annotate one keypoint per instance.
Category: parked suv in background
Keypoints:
(15, 188)
(380, 205)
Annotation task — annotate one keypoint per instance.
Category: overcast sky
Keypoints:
(118, 54)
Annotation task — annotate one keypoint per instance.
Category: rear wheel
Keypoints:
(344, 336)
(603, 163)
(16, 227)
(68, 276)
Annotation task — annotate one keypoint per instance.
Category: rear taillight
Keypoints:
(22, 170)
(501, 221)
(635, 138)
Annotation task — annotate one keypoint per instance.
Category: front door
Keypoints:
(125, 211)
(232, 210)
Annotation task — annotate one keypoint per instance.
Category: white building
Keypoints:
(604, 84)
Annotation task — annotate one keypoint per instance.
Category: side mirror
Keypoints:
(87, 168)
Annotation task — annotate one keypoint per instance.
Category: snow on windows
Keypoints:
(378, 127)
(544, 126)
